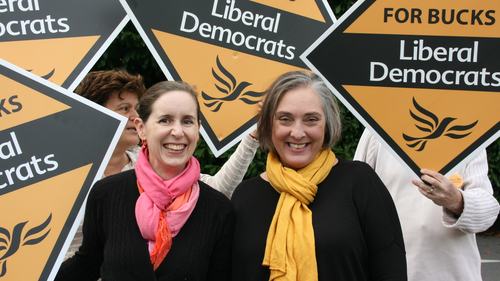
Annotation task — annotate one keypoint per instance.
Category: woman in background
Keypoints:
(120, 92)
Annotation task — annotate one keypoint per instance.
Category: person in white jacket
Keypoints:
(439, 222)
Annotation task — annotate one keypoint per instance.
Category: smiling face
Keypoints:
(299, 127)
(171, 132)
(125, 106)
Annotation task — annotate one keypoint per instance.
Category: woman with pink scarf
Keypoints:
(158, 221)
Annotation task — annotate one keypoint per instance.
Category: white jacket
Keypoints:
(439, 246)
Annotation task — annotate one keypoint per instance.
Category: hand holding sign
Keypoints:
(441, 191)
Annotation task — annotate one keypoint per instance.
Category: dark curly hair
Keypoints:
(99, 86)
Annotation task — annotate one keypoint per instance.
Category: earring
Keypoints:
(198, 139)
(144, 144)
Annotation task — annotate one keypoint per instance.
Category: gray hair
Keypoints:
(291, 81)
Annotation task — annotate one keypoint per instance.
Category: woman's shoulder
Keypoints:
(257, 180)
(114, 183)
(213, 196)
(116, 178)
(253, 190)
(353, 166)
(250, 184)
(357, 173)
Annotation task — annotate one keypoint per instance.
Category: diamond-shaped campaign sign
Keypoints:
(422, 75)
(53, 146)
(59, 40)
(230, 50)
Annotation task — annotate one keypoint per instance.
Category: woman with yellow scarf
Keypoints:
(312, 216)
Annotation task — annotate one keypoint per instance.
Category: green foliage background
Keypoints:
(129, 52)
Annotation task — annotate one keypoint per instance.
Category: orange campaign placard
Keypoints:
(230, 50)
(421, 75)
(54, 145)
(58, 40)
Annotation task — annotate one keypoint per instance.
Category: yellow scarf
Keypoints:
(290, 248)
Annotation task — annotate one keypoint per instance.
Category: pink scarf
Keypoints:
(158, 195)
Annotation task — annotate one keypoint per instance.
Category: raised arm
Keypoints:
(233, 171)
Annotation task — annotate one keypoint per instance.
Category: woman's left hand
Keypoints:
(441, 191)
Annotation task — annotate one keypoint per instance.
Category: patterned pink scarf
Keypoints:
(158, 195)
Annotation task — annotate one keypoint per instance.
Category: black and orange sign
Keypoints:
(422, 75)
(230, 50)
(53, 146)
(59, 40)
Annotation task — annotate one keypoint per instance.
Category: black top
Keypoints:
(356, 227)
(114, 249)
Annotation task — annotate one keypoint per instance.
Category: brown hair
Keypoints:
(296, 80)
(99, 86)
(157, 90)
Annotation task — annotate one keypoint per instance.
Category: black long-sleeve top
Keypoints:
(114, 249)
(356, 227)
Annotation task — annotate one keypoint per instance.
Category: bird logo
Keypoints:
(11, 242)
(231, 89)
(435, 128)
